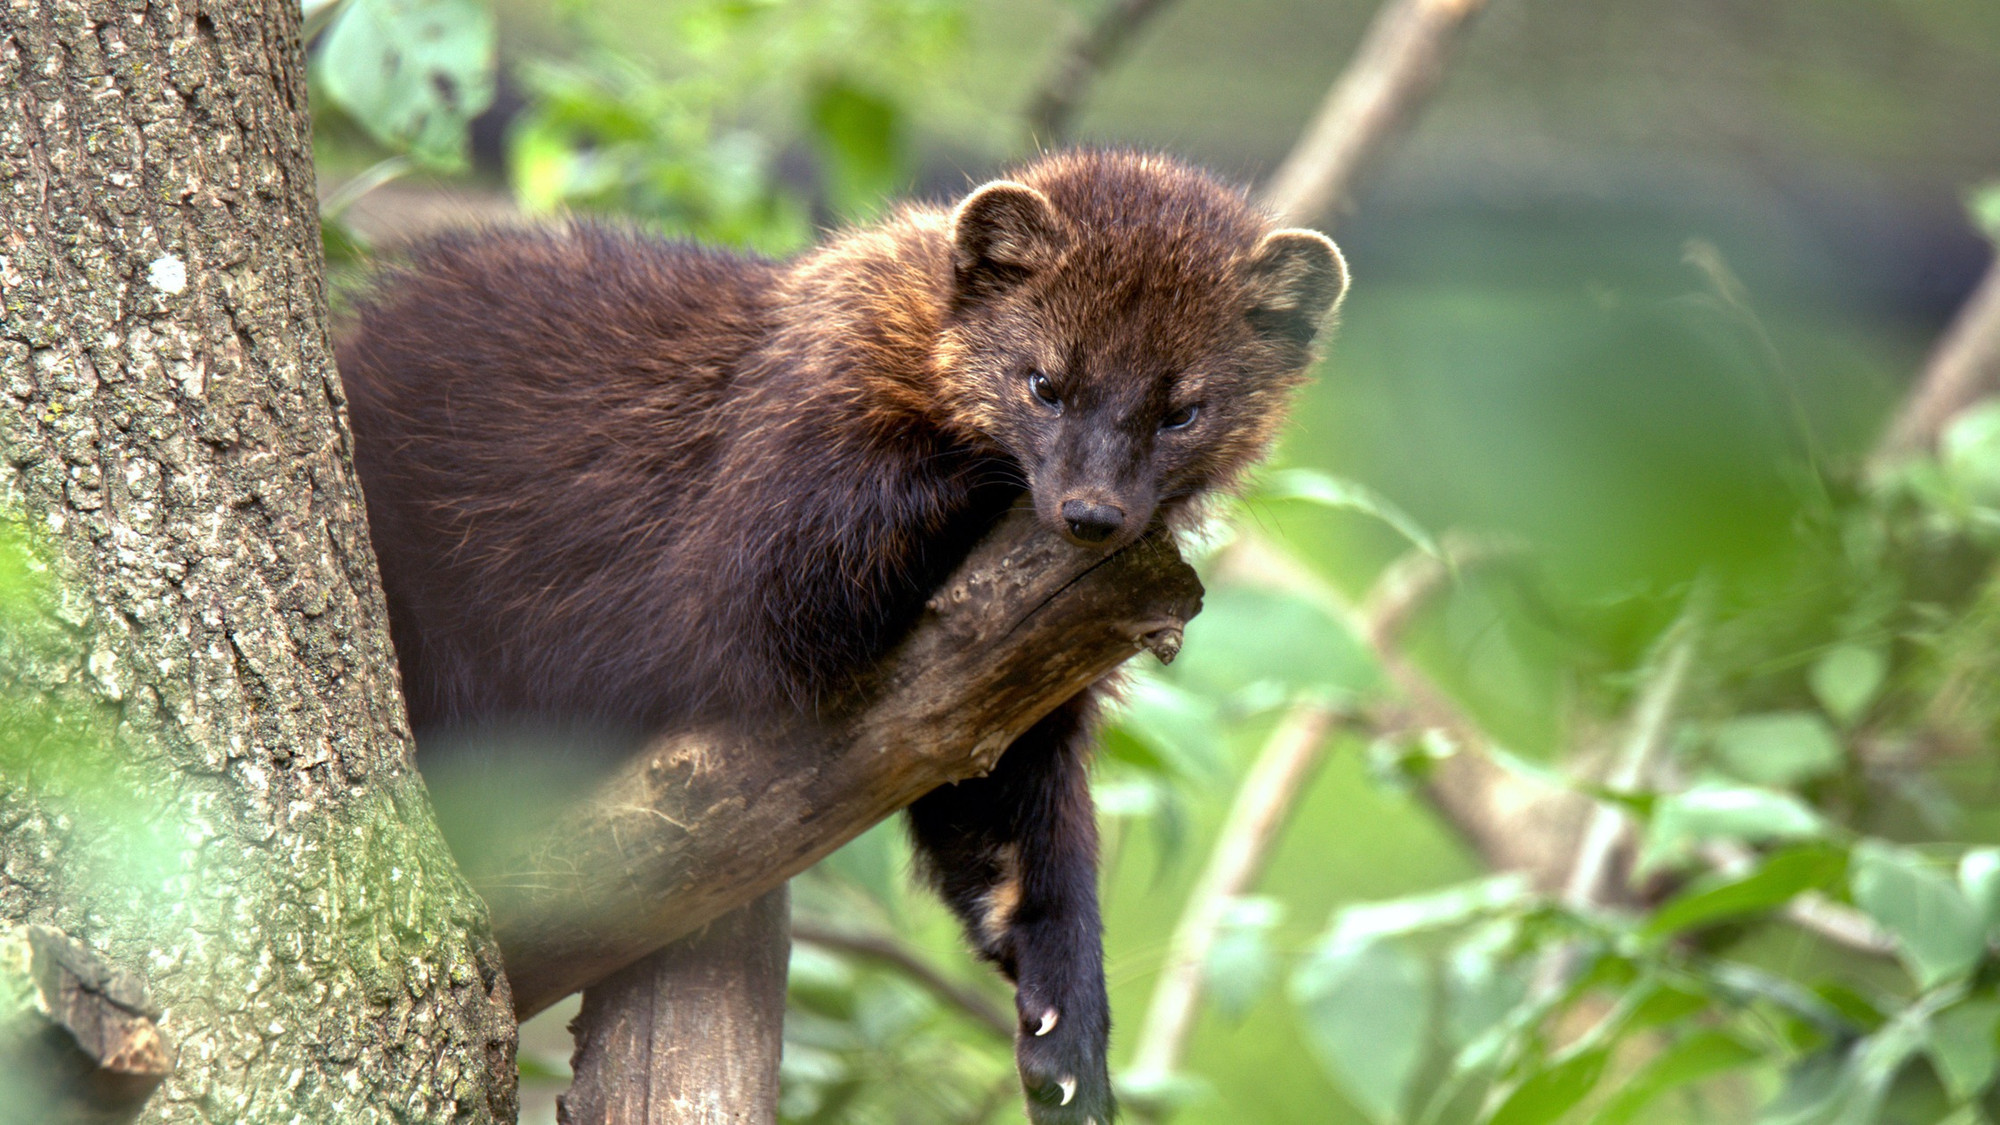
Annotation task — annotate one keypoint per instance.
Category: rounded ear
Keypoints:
(1296, 279)
(1003, 232)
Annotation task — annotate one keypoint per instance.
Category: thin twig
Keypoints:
(1963, 368)
(1652, 719)
(1396, 66)
(1608, 826)
(1261, 808)
(1812, 911)
(1087, 56)
(888, 952)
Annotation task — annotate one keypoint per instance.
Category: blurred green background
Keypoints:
(1638, 288)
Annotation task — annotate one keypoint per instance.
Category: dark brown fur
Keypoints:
(623, 484)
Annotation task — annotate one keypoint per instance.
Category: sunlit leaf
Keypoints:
(1961, 1043)
(1938, 934)
(1482, 984)
(412, 73)
(1173, 731)
(1366, 1006)
(1701, 1055)
(1969, 452)
(1248, 640)
(1329, 491)
(1979, 881)
(1780, 748)
(1721, 812)
(1241, 963)
(1370, 922)
(1846, 680)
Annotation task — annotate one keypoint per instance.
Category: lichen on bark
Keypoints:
(204, 771)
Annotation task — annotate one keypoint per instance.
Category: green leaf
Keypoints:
(1250, 645)
(1772, 883)
(1701, 1055)
(1370, 922)
(1548, 1094)
(1814, 1089)
(1979, 880)
(1846, 680)
(1329, 491)
(1241, 963)
(1782, 748)
(1846, 1085)
(1366, 1006)
(1961, 1043)
(1938, 934)
(1482, 984)
(1173, 731)
(1725, 812)
(859, 136)
(1969, 452)
(412, 73)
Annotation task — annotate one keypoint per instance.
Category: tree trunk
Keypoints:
(691, 1034)
(205, 776)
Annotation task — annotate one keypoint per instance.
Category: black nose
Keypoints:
(1092, 523)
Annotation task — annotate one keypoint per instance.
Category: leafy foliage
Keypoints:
(1791, 945)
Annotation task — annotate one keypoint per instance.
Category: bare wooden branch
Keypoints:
(691, 1034)
(1659, 702)
(1262, 806)
(1963, 368)
(891, 953)
(1092, 51)
(1396, 66)
(705, 821)
(78, 1039)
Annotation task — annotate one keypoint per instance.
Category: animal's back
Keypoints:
(536, 415)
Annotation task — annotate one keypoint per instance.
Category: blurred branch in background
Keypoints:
(1263, 804)
(890, 953)
(1092, 51)
(1658, 707)
(1394, 70)
(1963, 368)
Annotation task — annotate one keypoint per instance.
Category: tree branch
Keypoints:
(1089, 53)
(1396, 66)
(1962, 368)
(1652, 716)
(706, 820)
(1262, 806)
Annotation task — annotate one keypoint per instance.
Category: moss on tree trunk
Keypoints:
(205, 775)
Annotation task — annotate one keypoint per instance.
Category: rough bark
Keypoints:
(706, 821)
(204, 772)
(691, 1034)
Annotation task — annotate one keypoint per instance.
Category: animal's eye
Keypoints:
(1044, 390)
(1181, 419)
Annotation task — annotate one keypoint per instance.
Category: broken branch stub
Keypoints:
(704, 821)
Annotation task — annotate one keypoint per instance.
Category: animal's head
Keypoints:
(1129, 330)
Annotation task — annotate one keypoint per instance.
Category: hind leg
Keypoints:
(1015, 856)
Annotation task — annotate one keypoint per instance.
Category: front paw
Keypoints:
(1061, 1055)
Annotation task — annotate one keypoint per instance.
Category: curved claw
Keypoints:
(1048, 1023)
(1068, 1086)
